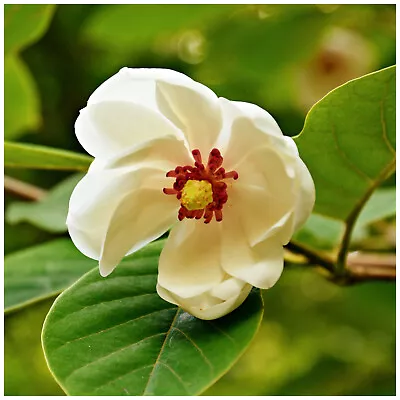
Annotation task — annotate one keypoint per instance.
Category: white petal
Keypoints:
(194, 109)
(142, 216)
(306, 194)
(260, 265)
(246, 127)
(98, 195)
(110, 127)
(190, 261)
(206, 306)
(191, 106)
(263, 197)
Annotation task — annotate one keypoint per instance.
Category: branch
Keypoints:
(360, 266)
(352, 218)
(23, 189)
(313, 257)
(364, 266)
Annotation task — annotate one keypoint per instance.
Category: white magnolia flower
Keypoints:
(170, 153)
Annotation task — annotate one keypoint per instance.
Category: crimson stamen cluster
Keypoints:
(213, 173)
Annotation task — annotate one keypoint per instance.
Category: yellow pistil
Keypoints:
(196, 195)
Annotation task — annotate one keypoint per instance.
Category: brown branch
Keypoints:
(371, 266)
(359, 267)
(23, 189)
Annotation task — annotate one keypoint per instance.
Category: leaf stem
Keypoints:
(352, 218)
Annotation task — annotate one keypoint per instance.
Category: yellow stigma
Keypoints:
(196, 195)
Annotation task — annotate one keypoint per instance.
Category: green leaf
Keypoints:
(21, 100)
(50, 213)
(22, 155)
(41, 271)
(348, 143)
(116, 336)
(24, 24)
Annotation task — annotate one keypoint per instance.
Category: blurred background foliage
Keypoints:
(316, 338)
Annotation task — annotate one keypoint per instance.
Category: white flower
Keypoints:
(170, 153)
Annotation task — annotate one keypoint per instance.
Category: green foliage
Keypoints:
(42, 271)
(115, 335)
(255, 42)
(24, 24)
(326, 233)
(131, 26)
(21, 103)
(49, 213)
(22, 348)
(319, 339)
(382, 204)
(21, 155)
(348, 143)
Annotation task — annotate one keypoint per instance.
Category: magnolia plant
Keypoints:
(239, 203)
(170, 154)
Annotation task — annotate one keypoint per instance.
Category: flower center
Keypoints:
(201, 189)
(196, 195)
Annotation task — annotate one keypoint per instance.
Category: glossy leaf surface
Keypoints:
(348, 142)
(116, 336)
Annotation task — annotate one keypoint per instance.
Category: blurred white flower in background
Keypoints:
(170, 153)
(343, 55)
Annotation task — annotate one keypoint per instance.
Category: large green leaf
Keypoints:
(116, 336)
(21, 102)
(23, 155)
(24, 24)
(42, 271)
(49, 213)
(348, 143)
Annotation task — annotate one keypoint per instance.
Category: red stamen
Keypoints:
(218, 215)
(170, 191)
(231, 174)
(208, 216)
(214, 173)
(197, 156)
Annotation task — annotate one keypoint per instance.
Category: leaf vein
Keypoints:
(97, 360)
(346, 159)
(196, 347)
(112, 327)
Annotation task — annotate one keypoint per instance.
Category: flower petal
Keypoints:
(306, 194)
(191, 106)
(108, 128)
(97, 196)
(142, 216)
(263, 197)
(190, 261)
(245, 127)
(260, 265)
(206, 306)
